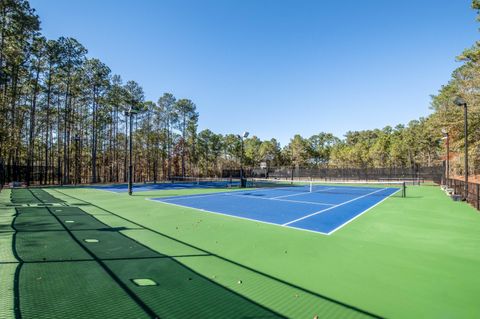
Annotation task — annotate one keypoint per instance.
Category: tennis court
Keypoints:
(145, 259)
(320, 208)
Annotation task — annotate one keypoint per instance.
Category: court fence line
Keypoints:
(52, 175)
(473, 193)
(411, 175)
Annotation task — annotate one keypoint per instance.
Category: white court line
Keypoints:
(324, 210)
(187, 196)
(281, 200)
(234, 216)
(366, 210)
(270, 223)
(105, 190)
(303, 193)
(212, 194)
(199, 195)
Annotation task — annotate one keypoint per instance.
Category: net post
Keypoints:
(404, 189)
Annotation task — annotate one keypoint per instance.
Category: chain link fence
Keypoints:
(48, 175)
(52, 175)
(472, 194)
(433, 173)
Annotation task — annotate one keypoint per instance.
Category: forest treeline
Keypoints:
(63, 118)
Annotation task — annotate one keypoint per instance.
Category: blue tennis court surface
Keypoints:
(123, 188)
(324, 210)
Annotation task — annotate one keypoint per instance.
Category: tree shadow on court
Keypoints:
(74, 265)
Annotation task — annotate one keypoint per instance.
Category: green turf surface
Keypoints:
(85, 268)
(8, 262)
(72, 290)
(181, 293)
(412, 257)
(7, 214)
(43, 246)
(33, 196)
(26, 222)
(7, 272)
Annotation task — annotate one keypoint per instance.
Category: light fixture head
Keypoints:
(245, 134)
(459, 101)
(131, 111)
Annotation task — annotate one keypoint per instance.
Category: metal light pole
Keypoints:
(243, 136)
(447, 159)
(77, 155)
(461, 102)
(131, 111)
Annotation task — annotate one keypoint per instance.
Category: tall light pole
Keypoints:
(77, 155)
(447, 159)
(462, 103)
(242, 137)
(130, 113)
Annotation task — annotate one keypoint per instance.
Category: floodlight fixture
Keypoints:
(133, 110)
(459, 101)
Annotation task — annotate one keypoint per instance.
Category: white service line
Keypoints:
(324, 210)
(281, 200)
(223, 214)
(106, 190)
(185, 197)
(193, 196)
(303, 193)
(166, 198)
(366, 210)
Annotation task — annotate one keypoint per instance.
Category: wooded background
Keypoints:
(62, 121)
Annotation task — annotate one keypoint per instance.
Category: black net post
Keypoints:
(243, 182)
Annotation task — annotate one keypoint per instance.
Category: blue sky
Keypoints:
(277, 68)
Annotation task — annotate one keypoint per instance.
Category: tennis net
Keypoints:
(206, 182)
(380, 188)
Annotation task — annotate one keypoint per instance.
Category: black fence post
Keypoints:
(478, 196)
(2, 174)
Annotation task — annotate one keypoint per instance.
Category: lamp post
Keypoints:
(242, 137)
(77, 155)
(447, 159)
(462, 103)
(268, 160)
(130, 113)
